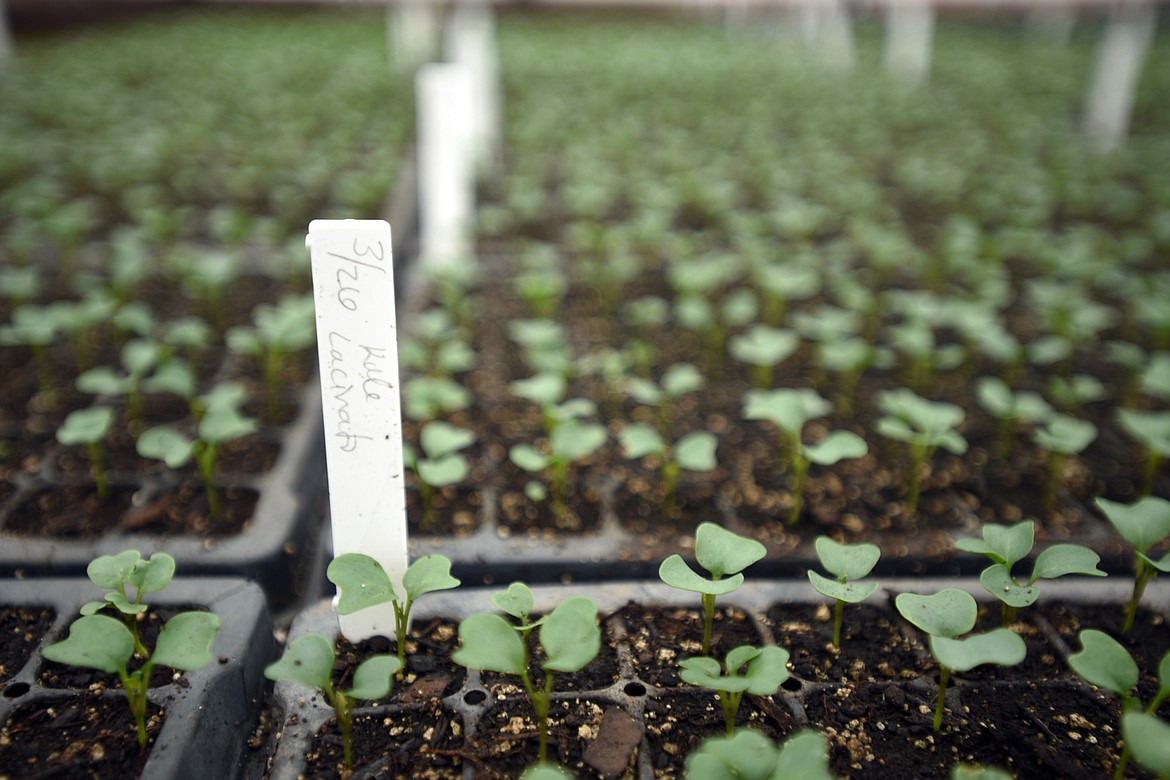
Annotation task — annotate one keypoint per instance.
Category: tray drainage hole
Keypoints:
(792, 684)
(474, 697)
(634, 689)
(16, 690)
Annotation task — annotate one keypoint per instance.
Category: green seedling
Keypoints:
(189, 335)
(89, 427)
(34, 327)
(677, 380)
(20, 285)
(1007, 545)
(309, 661)
(173, 375)
(1155, 378)
(128, 569)
(1152, 431)
(764, 670)
(79, 320)
(570, 441)
(945, 617)
(764, 348)
(749, 755)
(834, 448)
(924, 426)
(139, 358)
(220, 423)
(431, 397)
(206, 275)
(276, 332)
(915, 340)
(848, 563)
(848, 358)
(441, 463)
(1148, 740)
(780, 284)
(1072, 393)
(540, 771)
(1104, 662)
(694, 451)
(569, 637)
(645, 315)
(544, 345)
(362, 583)
(788, 409)
(542, 290)
(1061, 436)
(724, 555)
(1143, 524)
(1010, 409)
(435, 346)
(107, 644)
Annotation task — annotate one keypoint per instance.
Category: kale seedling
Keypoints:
(309, 661)
(725, 555)
(129, 569)
(1061, 436)
(276, 332)
(677, 380)
(570, 440)
(441, 464)
(924, 426)
(569, 637)
(846, 562)
(1010, 409)
(764, 348)
(1007, 545)
(1143, 525)
(1152, 431)
(139, 357)
(106, 644)
(89, 426)
(694, 451)
(946, 616)
(788, 409)
(362, 582)
(1104, 662)
(835, 447)
(220, 424)
(749, 755)
(764, 670)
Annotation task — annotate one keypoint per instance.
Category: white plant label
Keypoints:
(446, 163)
(357, 350)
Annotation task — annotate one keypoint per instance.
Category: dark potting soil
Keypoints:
(661, 637)
(87, 735)
(21, 629)
(430, 674)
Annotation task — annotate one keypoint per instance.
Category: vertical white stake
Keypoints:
(471, 41)
(357, 350)
(1115, 75)
(909, 35)
(445, 164)
(412, 33)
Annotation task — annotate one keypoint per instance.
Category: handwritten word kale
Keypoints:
(724, 555)
(847, 563)
(1104, 662)
(362, 583)
(569, 637)
(945, 617)
(763, 671)
(309, 661)
(1143, 525)
(1008, 545)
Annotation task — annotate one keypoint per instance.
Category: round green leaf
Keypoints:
(86, 426)
(1148, 739)
(545, 772)
(999, 583)
(428, 574)
(721, 552)
(185, 641)
(449, 469)
(528, 457)
(1001, 647)
(308, 661)
(848, 561)
(948, 613)
(94, 642)
(837, 446)
(767, 671)
(573, 440)
(570, 635)
(112, 571)
(361, 582)
(516, 601)
(439, 438)
(374, 678)
(681, 378)
(696, 451)
(151, 576)
(639, 440)
(1142, 524)
(1102, 661)
(1061, 559)
(675, 572)
(849, 592)
(748, 755)
(489, 643)
(165, 444)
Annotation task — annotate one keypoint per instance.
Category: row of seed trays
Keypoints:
(798, 302)
(156, 324)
